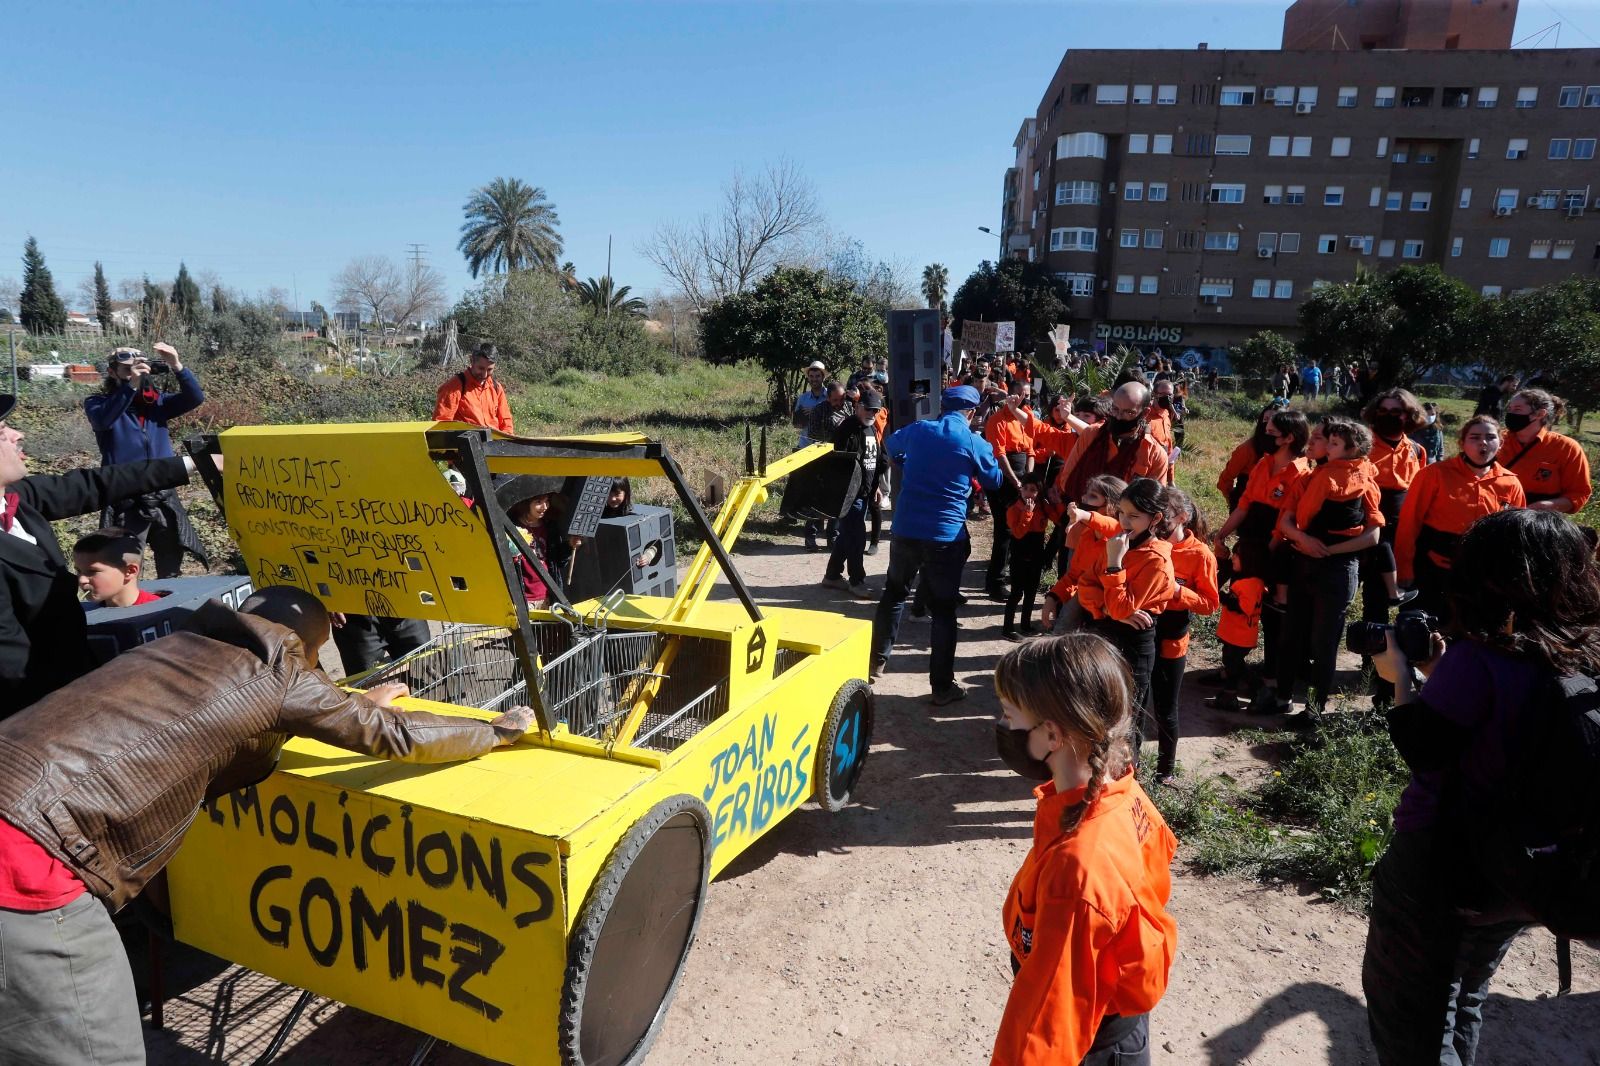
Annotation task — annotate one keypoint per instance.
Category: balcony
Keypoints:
(1416, 96)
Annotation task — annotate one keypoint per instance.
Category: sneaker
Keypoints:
(918, 612)
(812, 545)
(1012, 635)
(1405, 597)
(863, 591)
(836, 583)
(998, 593)
(1226, 701)
(877, 669)
(872, 549)
(1166, 780)
(954, 693)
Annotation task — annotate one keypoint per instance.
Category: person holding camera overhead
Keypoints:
(130, 419)
(1445, 499)
(1488, 834)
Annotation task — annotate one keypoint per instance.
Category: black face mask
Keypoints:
(1118, 426)
(1517, 423)
(1387, 425)
(1012, 746)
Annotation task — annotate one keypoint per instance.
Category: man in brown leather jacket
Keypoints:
(100, 780)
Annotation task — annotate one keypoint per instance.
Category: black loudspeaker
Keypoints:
(610, 559)
(916, 355)
(824, 488)
(114, 630)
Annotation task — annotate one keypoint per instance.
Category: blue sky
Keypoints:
(272, 142)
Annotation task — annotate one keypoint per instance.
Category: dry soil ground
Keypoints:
(873, 935)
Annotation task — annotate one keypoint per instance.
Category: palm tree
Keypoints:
(935, 284)
(603, 297)
(510, 226)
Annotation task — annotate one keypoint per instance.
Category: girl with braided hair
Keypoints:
(1091, 940)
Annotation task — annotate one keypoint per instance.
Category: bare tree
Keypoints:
(86, 297)
(369, 285)
(130, 290)
(420, 295)
(763, 220)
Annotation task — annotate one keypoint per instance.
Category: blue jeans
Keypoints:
(940, 564)
(850, 545)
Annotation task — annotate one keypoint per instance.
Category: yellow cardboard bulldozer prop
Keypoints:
(534, 905)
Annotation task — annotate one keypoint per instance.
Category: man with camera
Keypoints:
(130, 419)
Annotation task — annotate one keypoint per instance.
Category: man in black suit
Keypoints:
(44, 642)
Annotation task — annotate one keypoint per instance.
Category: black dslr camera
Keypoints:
(1413, 635)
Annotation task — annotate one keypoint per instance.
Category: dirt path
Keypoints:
(873, 936)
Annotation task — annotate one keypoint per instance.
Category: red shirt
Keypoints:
(145, 597)
(30, 877)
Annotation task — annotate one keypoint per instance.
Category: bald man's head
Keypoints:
(293, 609)
(1132, 396)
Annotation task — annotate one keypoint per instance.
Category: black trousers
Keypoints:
(1320, 592)
(1166, 684)
(366, 640)
(1426, 970)
(1235, 672)
(1374, 590)
(1138, 648)
(1027, 563)
(1000, 499)
(1120, 1041)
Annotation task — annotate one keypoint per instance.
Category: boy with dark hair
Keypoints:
(108, 563)
(1026, 521)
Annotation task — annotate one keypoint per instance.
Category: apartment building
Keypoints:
(1195, 197)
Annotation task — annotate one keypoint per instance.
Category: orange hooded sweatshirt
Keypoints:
(1021, 521)
(1339, 481)
(1087, 922)
(1088, 543)
(1242, 628)
(1194, 569)
(1397, 464)
(1553, 465)
(1447, 498)
(1144, 583)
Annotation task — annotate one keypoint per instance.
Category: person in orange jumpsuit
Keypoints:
(1027, 520)
(1335, 516)
(1552, 467)
(1131, 584)
(474, 396)
(1445, 499)
(1244, 457)
(1088, 524)
(1092, 942)
(1194, 570)
(1239, 625)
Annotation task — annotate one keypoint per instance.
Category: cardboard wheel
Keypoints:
(630, 941)
(846, 737)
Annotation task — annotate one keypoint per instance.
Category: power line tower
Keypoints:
(418, 254)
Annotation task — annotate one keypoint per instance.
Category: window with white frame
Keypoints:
(1143, 94)
(1339, 147)
(1575, 201)
(1272, 194)
(1232, 144)
(1261, 288)
(1347, 95)
(1327, 243)
(1129, 238)
(1517, 148)
(1295, 194)
(1362, 244)
(1077, 192)
(1110, 94)
(1569, 96)
(1307, 97)
(1383, 146)
(1489, 290)
(1166, 94)
(1226, 194)
(1505, 199)
(1288, 243)
(1237, 96)
(1222, 241)
(1384, 97)
(1124, 282)
(1161, 144)
(1421, 201)
(1301, 146)
(1157, 192)
(1078, 284)
(1148, 284)
(1153, 238)
(1081, 146)
(1333, 196)
(1138, 143)
(1133, 190)
(1411, 250)
(1472, 148)
(1583, 148)
(1283, 290)
(1591, 96)
(1488, 96)
(1539, 249)
(1560, 148)
(1267, 242)
(1278, 146)
(1401, 155)
(1528, 96)
(1376, 199)
(1545, 199)
(1563, 250)
(1283, 96)
(1072, 239)
(1394, 201)
(1499, 247)
(1456, 244)
(1219, 287)
(1386, 249)
(1466, 198)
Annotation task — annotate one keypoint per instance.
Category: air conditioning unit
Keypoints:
(1269, 94)
(1358, 243)
(1533, 201)
(1303, 107)
(1504, 211)
(1264, 253)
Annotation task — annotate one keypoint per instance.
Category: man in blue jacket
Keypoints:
(130, 419)
(939, 458)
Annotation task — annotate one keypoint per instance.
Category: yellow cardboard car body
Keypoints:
(533, 905)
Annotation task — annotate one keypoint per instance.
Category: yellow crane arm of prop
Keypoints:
(748, 493)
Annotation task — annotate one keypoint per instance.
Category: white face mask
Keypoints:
(1431, 418)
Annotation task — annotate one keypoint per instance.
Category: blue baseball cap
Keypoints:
(958, 398)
